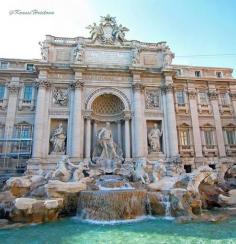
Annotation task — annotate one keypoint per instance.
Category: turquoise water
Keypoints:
(149, 231)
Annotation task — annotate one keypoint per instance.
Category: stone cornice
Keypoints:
(214, 79)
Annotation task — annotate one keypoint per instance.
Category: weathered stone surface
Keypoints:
(156, 203)
(31, 210)
(6, 203)
(228, 200)
(165, 184)
(19, 186)
(57, 188)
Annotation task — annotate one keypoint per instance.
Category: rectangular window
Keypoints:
(28, 91)
(203, 98)
(3, 65)
(30, 67)
(184, 137)
(2, 92)
(231, 137)
(209, 140)
(180, 96)
(224, 99)
(219, 74)
(197, 73)
(24, 132)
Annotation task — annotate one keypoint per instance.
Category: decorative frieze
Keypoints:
(77, 84)
(152, 99)
(60, 96)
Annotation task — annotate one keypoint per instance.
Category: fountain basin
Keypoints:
(112, 204)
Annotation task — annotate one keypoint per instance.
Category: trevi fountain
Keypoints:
(116, 193)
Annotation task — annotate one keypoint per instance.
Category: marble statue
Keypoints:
(154, 139)
(168, 57)
(58, 140)
(136, 56)
(139, 171)
(60, 97)
(107, 32)
(107, 143)
(158, 170)
(62, 172)
(95, 31)
(67, 171)
(119, 32)
(107, 153)
(44, 51)
(79, 53)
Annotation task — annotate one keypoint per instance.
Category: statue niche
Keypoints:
(154, 139)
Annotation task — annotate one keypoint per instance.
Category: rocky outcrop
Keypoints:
(56, 188)
(229, 200)
(31, 210)
(157, 205)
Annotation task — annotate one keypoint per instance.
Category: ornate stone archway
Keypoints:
(107, 105)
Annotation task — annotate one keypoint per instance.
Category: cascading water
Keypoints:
(115, 200)
(166, 202)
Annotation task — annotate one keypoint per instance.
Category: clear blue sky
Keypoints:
(190, 27)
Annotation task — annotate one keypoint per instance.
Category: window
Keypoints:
(184, 137)
(2, 92)
(209, 139)
(4, 65)
(24, 131)
(180, 96)
(219, 74)
(28, 91)
(224, 99)
(30, 67)
(203, 98)
(213, 166)
(188, 168)
(197, 73)
(230, 134)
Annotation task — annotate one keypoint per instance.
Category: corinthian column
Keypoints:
(195, 123)
(219, 132)
(40, 117)
(167, 89)
(13, 89)
(87, 116)
(139, 138)
(76, 140)
(127, 136)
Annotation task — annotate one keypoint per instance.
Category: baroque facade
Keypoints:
(109, 96)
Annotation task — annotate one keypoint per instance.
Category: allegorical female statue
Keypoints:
(58, 140)
(154, 139)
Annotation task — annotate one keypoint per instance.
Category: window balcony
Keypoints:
(204, 108)
(26, 104)
(226, 108)
(209, 150)
(186, 150)
(230, 149)
(182, 107)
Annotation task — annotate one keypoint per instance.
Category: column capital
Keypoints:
(43, 83)
(167, 88)
(233, 95)
(192, 94)
(138, 86)
(13, 87)
(127, 115)
(77, 84)
(87, 114)
(213, 95)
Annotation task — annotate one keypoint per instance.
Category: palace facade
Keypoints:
(158, 111)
